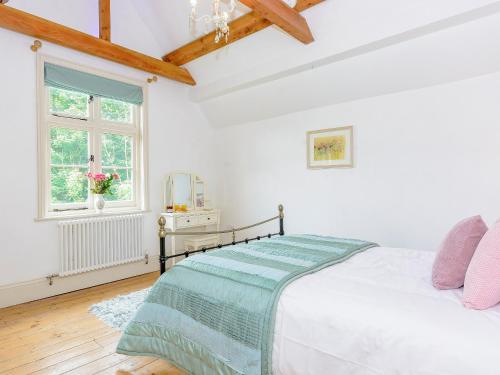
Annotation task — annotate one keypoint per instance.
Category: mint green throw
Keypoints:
(213, 313)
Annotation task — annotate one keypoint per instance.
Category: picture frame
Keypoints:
(330, 148)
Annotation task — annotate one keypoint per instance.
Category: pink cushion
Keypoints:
(455, 253)
(482, 282)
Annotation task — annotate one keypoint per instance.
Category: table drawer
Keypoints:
(186, 221)
(207, 219)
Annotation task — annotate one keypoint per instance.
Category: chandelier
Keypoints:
(220, 17)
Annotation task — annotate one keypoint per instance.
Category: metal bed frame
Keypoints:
(162, 233)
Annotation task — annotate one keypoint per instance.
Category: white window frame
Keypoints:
(96, 127)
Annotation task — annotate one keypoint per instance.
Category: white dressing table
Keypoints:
(176, 221)
(184, 188)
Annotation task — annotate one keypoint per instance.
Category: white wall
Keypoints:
(424, 159)
(179, 139)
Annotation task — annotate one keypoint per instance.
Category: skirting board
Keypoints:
(14, 294)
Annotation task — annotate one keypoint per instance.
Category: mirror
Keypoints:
(184, 188)
(199, 193)
(167, 195)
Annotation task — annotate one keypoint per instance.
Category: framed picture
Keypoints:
(330, 148)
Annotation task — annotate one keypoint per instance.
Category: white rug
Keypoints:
(117, 312)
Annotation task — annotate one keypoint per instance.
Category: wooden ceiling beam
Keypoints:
(105, 20)
(286, 18)
(240, 28)
(28, 24)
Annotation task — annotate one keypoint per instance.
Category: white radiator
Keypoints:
(94, 243)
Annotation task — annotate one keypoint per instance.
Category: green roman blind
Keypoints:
(74, 80)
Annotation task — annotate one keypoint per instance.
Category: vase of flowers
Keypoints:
(101, 184)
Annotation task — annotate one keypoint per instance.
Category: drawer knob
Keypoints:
(208, 218)
(188, 221)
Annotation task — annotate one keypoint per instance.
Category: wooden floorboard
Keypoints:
(58, 335)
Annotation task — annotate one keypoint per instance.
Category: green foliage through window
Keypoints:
(69, 146)
(116, 151)
(69, 185)
(68, 103)
(114, 110)
(69, 150)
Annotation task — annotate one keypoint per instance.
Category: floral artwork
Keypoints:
(330, 148)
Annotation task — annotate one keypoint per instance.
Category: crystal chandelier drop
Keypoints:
(220, 18)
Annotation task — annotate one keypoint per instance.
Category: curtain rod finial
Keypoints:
(36, 44)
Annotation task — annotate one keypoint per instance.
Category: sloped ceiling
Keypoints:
(361, 49)
(455, 48)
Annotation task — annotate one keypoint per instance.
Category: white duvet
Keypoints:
(378, 313)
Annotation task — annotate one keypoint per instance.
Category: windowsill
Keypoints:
(91, 213)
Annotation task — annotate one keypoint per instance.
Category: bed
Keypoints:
(377, 313)
(311, 305)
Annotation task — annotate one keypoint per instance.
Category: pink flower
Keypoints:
(100, 177)
(89, 175)
(116, 176)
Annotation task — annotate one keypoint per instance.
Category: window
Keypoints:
(81, 133)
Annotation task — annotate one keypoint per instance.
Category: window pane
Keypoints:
(68, 146)
(68, 185)
(114, 110)
(116, 151)
(68, 103)
(122, 189)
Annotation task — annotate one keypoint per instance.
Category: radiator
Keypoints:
(94, 243)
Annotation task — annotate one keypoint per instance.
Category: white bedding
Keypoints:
(378, 313)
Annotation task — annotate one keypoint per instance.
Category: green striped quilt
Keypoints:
(213, 313)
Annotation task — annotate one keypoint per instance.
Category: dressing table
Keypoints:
(182, 188)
